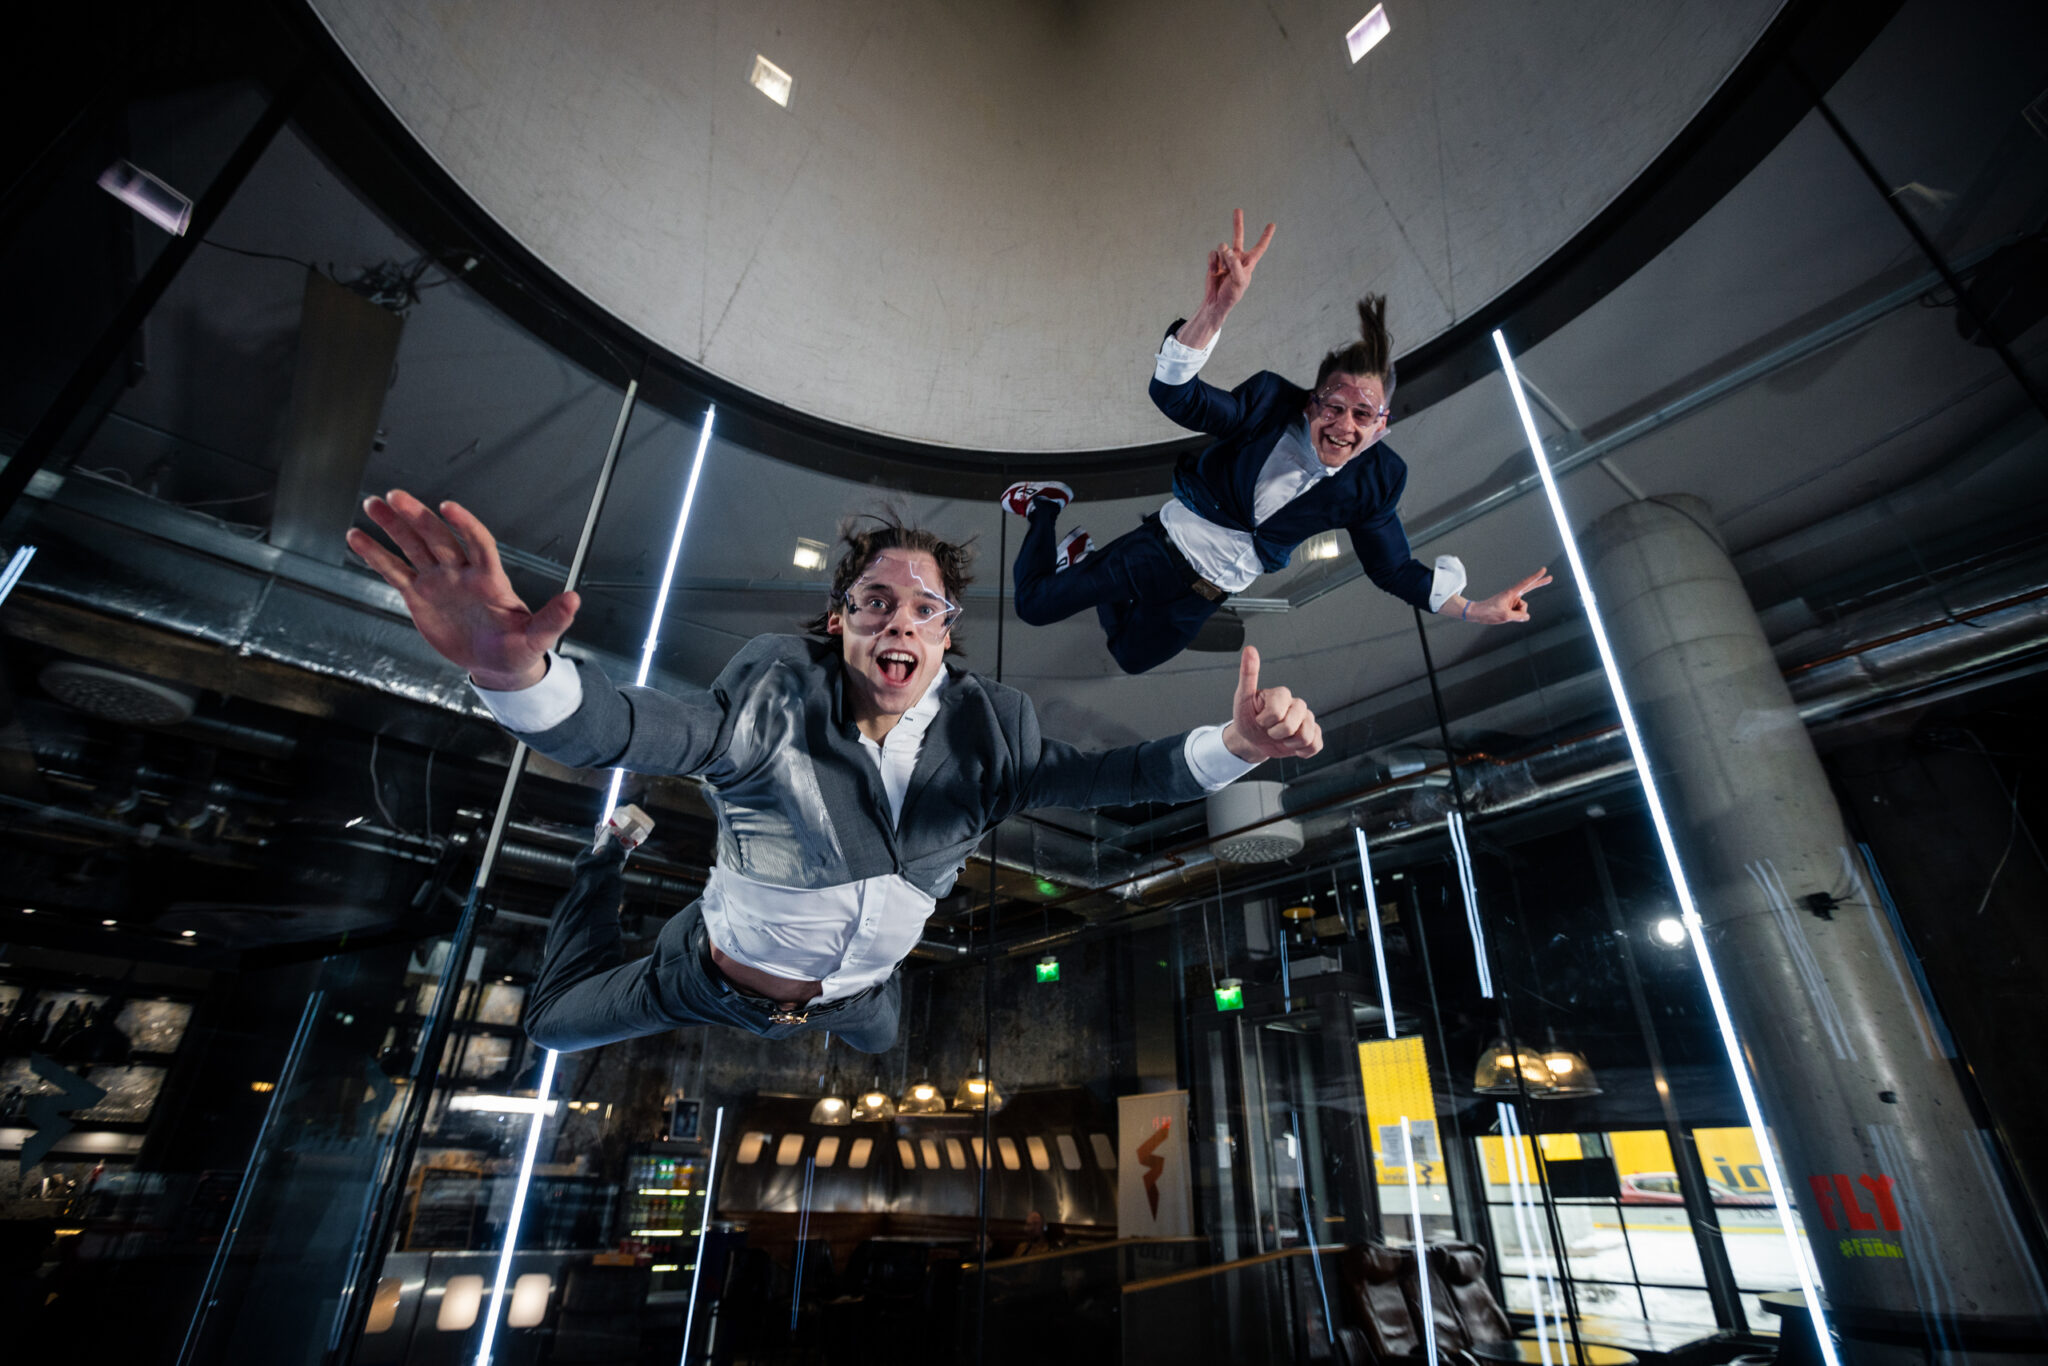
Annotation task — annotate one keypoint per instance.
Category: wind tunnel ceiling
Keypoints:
(972, 221)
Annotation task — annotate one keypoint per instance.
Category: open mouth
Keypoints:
(897, 666)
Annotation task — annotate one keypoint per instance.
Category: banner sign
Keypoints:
(1154, 1195)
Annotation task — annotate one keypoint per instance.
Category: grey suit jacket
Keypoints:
(800, 804)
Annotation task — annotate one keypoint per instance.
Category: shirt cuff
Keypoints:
(1176, 364)
(545, 705)
(1448, 583)
(1211, 761)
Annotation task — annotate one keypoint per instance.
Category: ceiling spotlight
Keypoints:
(188, 934)
(1321, 546)
(771, 80)
(110, 923)
(810, 554)
(1670, 931)
(28, 910)
(1367, 32)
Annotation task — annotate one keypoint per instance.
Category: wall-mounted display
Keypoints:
(131, 1094)
(154, 1026)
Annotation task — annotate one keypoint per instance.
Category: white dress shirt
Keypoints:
(850, 937)
(1225, 556)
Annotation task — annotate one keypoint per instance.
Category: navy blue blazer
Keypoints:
(1220, 482)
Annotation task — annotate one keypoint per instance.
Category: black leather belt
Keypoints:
(1198, 585)
(777, 1013)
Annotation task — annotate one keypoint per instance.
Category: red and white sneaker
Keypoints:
(1074, 548)
(1019, 497)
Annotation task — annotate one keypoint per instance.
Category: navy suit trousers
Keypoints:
(588, 994)
(1134, 584)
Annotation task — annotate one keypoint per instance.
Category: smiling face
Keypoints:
(1345, 416)
(893, 633)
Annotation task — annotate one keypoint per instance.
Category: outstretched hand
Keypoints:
(453, 584)
(1508, 605)
(1268, 723)
(1231, 267)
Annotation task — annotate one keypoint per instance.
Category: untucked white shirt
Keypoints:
(849, 937)
(1227, 557)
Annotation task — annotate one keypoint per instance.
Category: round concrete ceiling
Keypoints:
(971, 222)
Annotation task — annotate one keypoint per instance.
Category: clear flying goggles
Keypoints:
(871, 606)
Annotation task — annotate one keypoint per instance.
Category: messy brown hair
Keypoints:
(1372, 354)
(868, 534)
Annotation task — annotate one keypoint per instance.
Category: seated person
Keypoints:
(1036, 1239)
(851, 769)
(1287, 463)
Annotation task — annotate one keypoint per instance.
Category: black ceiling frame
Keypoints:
(1764, 98)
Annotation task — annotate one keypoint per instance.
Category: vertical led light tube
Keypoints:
(1461, 855)
(668, 578)
(1372, 915)
(16, 566)
(1421, 1244)
(533, 1128)
(547, 1073)
(1801, 1254)
(1525, 1218)
(703, 1232)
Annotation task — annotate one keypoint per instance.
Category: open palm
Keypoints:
(454, 586)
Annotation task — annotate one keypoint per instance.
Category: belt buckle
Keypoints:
(781, 1016)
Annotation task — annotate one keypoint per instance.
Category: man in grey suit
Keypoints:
(852, 771)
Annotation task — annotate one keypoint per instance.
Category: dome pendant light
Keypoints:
(978, 1092)
(1511, 1069)
(874, 1104)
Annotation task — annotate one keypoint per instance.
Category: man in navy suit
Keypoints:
(1286, 464)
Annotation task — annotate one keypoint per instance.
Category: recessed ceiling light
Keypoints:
(28, 910)
(110, 922)
(771, 80)
(1367, 32)
(810, 554)
(1321, 546)
(188, 934)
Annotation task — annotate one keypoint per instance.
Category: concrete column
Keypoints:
(1912, 1233)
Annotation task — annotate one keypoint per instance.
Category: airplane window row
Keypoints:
(790, 1150)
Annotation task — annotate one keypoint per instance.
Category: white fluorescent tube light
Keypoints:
(148, 196)
(703, 1230)
(1689, 913)
(17, 565)
(1372, 914)
(1525, 1217)
(668, 578)
(547, 1083)
(507, 1105)
(1367, 32)
(1421, 1244)
(1461, 855)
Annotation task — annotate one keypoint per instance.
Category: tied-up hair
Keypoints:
(1372, 354)
(867, 535)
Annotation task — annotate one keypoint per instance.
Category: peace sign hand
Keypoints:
(1231, 266)
(1508, 605)
(449, 574)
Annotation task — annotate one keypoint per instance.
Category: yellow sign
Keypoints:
(1396, 1073)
